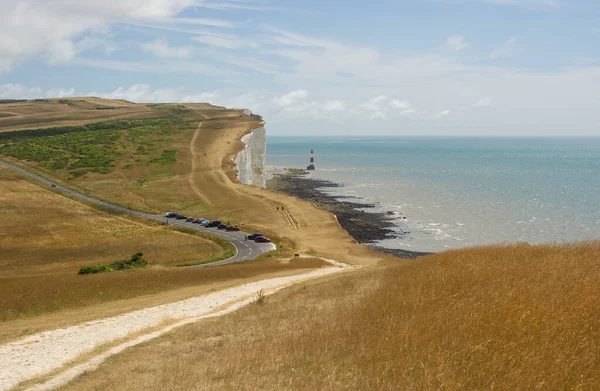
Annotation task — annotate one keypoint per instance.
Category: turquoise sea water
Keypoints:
(457, 192)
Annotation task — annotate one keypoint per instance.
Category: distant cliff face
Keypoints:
(251, 160)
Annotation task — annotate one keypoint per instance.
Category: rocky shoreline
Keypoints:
(364, 227)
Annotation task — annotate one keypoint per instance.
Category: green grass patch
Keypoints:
(135, 262)
(66, 102)
(168, 156)
(95, 147)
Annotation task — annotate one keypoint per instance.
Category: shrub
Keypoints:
(168, 156)
(135, 262)
(94, 269)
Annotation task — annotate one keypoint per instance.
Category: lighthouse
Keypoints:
(311, 165)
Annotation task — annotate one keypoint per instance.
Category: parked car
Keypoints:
(170, 214)
(190, 219)
(180, 217)
(213, 223)
(221, 226)
(232, 228)
(53, 185)
(262, 239)
(254, 236)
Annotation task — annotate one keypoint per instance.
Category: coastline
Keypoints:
(364, 227)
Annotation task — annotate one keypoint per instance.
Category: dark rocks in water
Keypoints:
(363, 227)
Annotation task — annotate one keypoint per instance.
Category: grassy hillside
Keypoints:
(508, 318)
(181, 161)
(44, 113)
(141, 161)
(45, 239)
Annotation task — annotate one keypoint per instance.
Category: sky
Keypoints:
(322, 67)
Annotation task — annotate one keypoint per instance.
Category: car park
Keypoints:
(262, 239)
(221, 226)
(232, 228)
(254, 236)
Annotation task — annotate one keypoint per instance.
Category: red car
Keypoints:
(232, 228)
(262, 239)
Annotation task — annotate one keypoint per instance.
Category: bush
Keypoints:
(135, 262)
(94, 269)
(168, 156)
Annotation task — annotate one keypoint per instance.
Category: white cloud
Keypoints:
(202, 22)
(456, 43)
(407, 112)
(442, 114)
(483, 102)
(28, 28)
(378, 115)
(400, 104)
(291, 98)
(19, 91)
(60, 92)
(292, 39)
(163, 67)
(507, 49)
(376, 103)
(202, 97)
(142, 93)
(381, 107)
(222, 41)
(334, 105)
(160, 48)
(225, 5)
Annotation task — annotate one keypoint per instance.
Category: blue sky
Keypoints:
(430, 67)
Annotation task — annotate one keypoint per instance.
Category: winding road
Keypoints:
(245, 249)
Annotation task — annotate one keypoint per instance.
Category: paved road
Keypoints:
(246, 249)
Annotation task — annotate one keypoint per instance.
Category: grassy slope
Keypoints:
(46, 238)
(69, 112)
(518, 317)
(208, 190)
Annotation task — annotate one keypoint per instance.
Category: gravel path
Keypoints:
(42, 353)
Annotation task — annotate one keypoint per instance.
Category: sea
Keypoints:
(453, 192)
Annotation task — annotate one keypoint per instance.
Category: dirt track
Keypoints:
(312, 230)
(42, 353)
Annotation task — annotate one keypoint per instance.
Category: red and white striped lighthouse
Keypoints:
(311, 166)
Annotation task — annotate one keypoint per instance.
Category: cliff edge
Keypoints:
(251, 160)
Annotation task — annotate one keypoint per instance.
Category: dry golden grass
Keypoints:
(45, 239)
(158, 188)
(79, 111)
(507, 318)
(36, 115)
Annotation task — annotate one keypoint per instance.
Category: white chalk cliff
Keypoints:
(251, 160)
